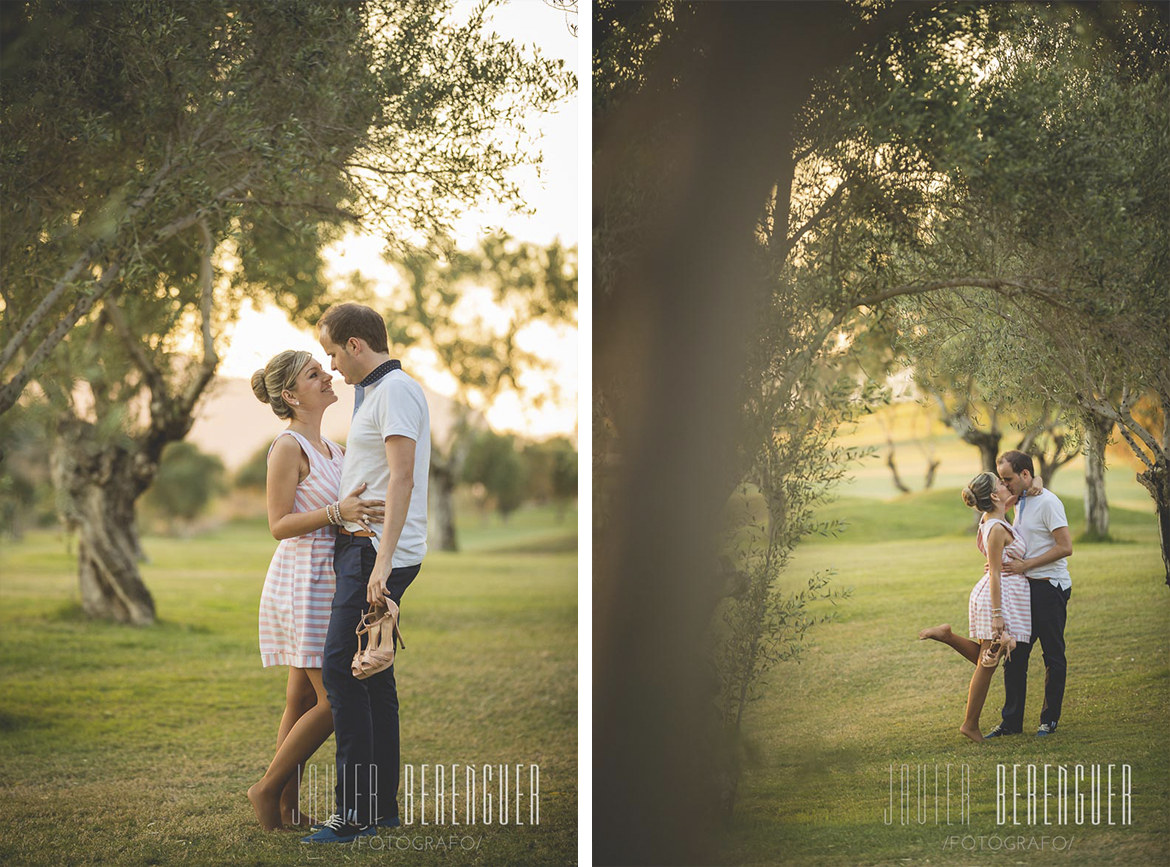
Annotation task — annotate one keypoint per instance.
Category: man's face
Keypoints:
(339, 358)
(1017, 483)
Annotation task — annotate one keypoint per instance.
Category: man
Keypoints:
(388, 448)
(1042, 520)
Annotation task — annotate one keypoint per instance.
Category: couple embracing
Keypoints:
(339, 554)
(1021, 598)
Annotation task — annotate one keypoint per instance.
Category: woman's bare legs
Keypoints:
(306, 724)
(966, 648)
(300, 697)
(977, 695)
(290, 813)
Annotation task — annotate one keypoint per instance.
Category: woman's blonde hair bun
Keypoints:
(977, 494)
(279, 374)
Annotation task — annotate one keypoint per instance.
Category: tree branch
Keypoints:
(42, 310)
(13, 388)
(82, 262)
(822, 211)
(331, 210)
(210, 359)
(1136, 448)
(154, 377)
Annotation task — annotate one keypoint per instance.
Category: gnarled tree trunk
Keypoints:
(97, 485)
(1156, 480)
(960, 420)
(988, 444)
(1097, 430)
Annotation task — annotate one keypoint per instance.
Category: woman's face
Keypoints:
(313, 389)
(1000, 493)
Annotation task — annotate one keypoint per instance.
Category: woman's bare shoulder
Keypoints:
(999, 530)
(287, 450)
(285, 446)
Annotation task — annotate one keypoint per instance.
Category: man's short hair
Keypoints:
(1018, 460)
(355, 320)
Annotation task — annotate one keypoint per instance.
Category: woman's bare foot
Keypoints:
(938, 633)
(973, 733)
(303, 820)
(266, 806)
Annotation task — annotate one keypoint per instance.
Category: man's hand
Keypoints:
(376, 593)
(1062, 547)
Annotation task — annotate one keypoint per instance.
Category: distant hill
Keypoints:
(233, 424)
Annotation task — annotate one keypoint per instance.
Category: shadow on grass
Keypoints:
(1107, 539)
(10, 722)
(72, 612)
(566, 544)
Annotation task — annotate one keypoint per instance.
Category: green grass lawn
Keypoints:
(868, 694)
(136, 746)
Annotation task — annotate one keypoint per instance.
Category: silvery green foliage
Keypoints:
(275, 123)
(793, 473)
(1069, 208)
(1067, 200)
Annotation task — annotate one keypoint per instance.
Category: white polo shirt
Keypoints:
(393, 406)
(1037, 517)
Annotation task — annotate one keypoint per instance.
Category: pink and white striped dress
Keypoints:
(1015, 596)
(298, 590)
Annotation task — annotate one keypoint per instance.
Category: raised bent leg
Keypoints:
(965, 647)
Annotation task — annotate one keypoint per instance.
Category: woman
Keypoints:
(1000, 607)
(304, 473)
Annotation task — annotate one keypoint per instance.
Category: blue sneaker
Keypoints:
(337, 830)
(999, 732)
(1046, 729)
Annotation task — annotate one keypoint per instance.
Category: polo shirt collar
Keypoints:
(380, 371)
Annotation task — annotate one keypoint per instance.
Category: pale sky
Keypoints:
(261, 334)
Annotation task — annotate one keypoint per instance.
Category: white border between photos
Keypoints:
(585, 435)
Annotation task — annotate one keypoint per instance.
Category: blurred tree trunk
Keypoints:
(691, 285)
(1097, 430)
(1156, 480)
(97, 487)
(988, 444)
(443, 480)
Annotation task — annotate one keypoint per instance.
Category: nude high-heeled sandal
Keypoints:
(378, 655)
(990, 656)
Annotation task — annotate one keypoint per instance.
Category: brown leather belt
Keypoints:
(363, 533)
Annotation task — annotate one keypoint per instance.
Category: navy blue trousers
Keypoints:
(1049, 614)
(365, 712)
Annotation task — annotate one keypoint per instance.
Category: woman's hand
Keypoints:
(359, 511)
(997, 625)
(1037, 487)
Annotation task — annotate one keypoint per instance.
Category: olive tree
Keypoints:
(164, 161)
(1071, 198)
(525, 284)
